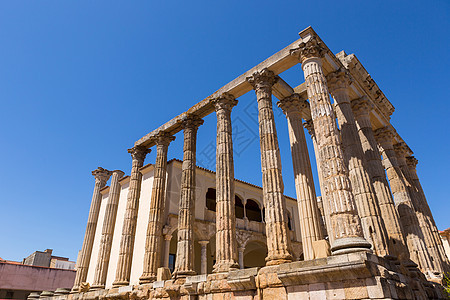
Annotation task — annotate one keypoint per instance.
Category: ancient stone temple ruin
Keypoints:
(172, 230)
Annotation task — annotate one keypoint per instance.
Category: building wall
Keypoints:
(97, 238)
(204, 180)
(125, 184)
(137, 265)
(33, 278)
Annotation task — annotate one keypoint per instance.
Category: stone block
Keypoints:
(158, 284)
(163, 274)
(321, 249)
(298, 292)
(317, 291)
(242, 279)
(355, 289)
(335, 290)
(274, 293)
(377, 288)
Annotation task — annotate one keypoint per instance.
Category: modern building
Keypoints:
(46, 259)
(18, 280)
(172, 230)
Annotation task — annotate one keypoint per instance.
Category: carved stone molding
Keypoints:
(312, 48)
(292, 104)
(362, 106)
(263, 78)
(338, 80)
(225, 101)
(138, 153)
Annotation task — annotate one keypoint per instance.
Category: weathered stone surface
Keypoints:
(365, 197)
(107, 231)
(138, 154)
(226, 247)
(403, 201)
(185, 249)
(153, 244)
(304, 184)
(278, 241)
(361, 108)
(101, 177)
(345, 222)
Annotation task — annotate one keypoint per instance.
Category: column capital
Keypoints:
(402, 150)
(167, 237)
(226, 101)
(203, 243)
(101, 175)
(138, 153)
(384, 134)
(119, 173)
(362, 106)
(309, 125)
(191, 122)
(163, 138)
(338, 80)
(292, 104)
(262, 78)
(312, 48)
(412, 162)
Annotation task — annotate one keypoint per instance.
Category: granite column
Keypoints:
(184, 264)
(109, 223)
(292, 107)
(101, 177)
(365, 197)
(123, 271)
(278, 240)
(153, 243)
(226, 247)
(345, 222)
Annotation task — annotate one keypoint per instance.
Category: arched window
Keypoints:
(253, 211)
(238, 207)
(211, 199)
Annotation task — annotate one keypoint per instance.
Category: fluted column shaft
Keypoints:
(278, 241)
(412, 163)
(304, 184)
(403, 203)
(374, 167)
(109, 223)
(123, 271)
(101, 177)
(366, 200)
(402, 151)
(153, 243)
(345, 222)
(309, 125)
(184, 263)
(226, 247)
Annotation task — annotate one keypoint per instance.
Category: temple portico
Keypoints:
(174, 230)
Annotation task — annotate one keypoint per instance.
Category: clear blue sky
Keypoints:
(81, 81)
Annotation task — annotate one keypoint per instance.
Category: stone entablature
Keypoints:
(383, 239)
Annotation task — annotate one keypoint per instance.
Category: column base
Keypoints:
(225, 266)
(183, 274)
(97, 287)
(349, 245)
(147, 279)
(120, 283)
(273, 260)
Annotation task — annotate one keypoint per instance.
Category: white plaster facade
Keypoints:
(205, 179)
